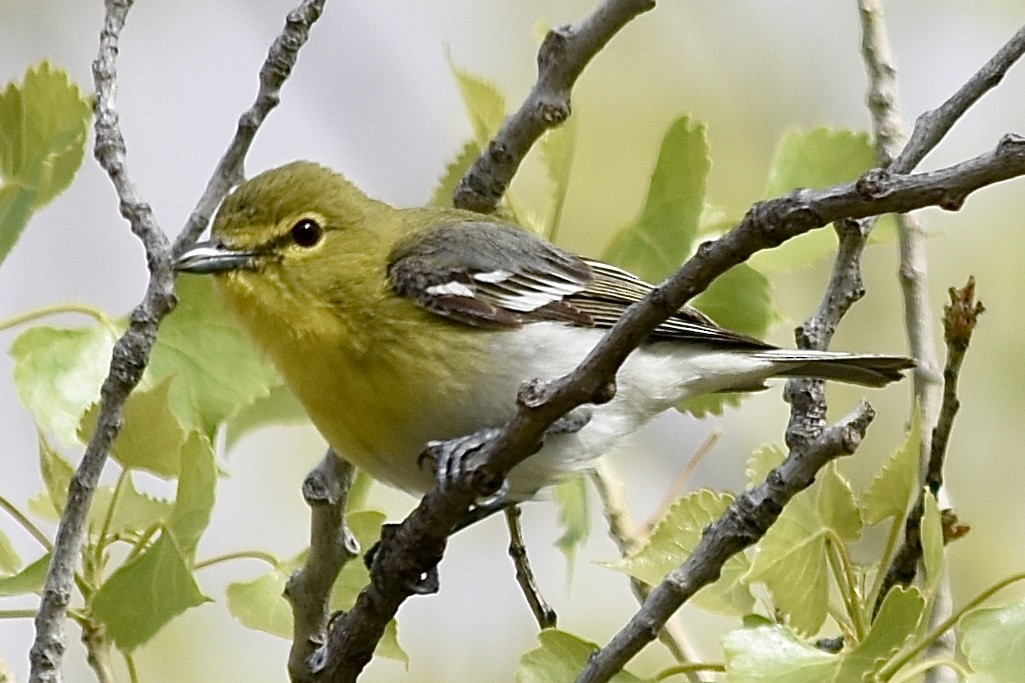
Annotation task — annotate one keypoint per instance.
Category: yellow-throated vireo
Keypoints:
(396, 327)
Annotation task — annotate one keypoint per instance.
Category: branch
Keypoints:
(132, 351)
(931, 126)
(414, 548)
(744, 522)
(959, 319)
(332, 545)
(276, 69)
(130, 356)
(562, 57)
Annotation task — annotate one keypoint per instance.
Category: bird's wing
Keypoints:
(492, 275)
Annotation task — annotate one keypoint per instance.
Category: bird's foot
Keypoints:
(451, 458)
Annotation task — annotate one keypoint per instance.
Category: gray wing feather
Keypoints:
(493, 275)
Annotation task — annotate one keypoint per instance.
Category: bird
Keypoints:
(395, 328)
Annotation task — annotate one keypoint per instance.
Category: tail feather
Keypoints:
(865, 369)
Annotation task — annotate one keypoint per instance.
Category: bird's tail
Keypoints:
(865, 369)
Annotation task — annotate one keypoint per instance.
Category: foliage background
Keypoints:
(373, 96)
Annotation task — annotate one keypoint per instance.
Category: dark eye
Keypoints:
(306, 232)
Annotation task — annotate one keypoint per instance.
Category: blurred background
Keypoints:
(373, 95)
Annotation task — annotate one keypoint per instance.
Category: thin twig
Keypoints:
(539, 607)
(332, 545)
(277, 67)
(131, 352)
(675, 490)
(561, 59)
(933, 125)
(959, 319)
(98, 650)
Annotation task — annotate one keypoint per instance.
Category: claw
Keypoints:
(451, 457)
(572, 422)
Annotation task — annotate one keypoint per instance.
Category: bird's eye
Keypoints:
(306, 232)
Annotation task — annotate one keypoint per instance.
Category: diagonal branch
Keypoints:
(744, 522)
(276, 69)
(561, 59)
(132, 351)
(414, 548)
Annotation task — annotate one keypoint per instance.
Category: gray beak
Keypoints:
(213, 257)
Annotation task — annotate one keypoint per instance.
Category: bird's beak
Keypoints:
(213, 257)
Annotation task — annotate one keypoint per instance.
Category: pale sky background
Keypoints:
(373, 96)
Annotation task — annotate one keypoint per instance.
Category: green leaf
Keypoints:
(932, 543)
(56, 472)
(216, 371)
(991, 638)
(28, 581)
(454, 172)
(16, 208)
(673, 540)
(10, 562)
(763, 652)
(258, 603)
(560, 658)
(740, 299)
(761, 461)
(279, 407)
(365, 525)
(573, 517)
(898, 618)
(194, 501)
(891, 489)
(43, 128)
(709, 404)
(816, 159)
(656, 243)
(484, 104)
(134, 511)
(766, 652)
(791, 561)
(151, 438)
(58, 373)
(837, 506)
(145, 593)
